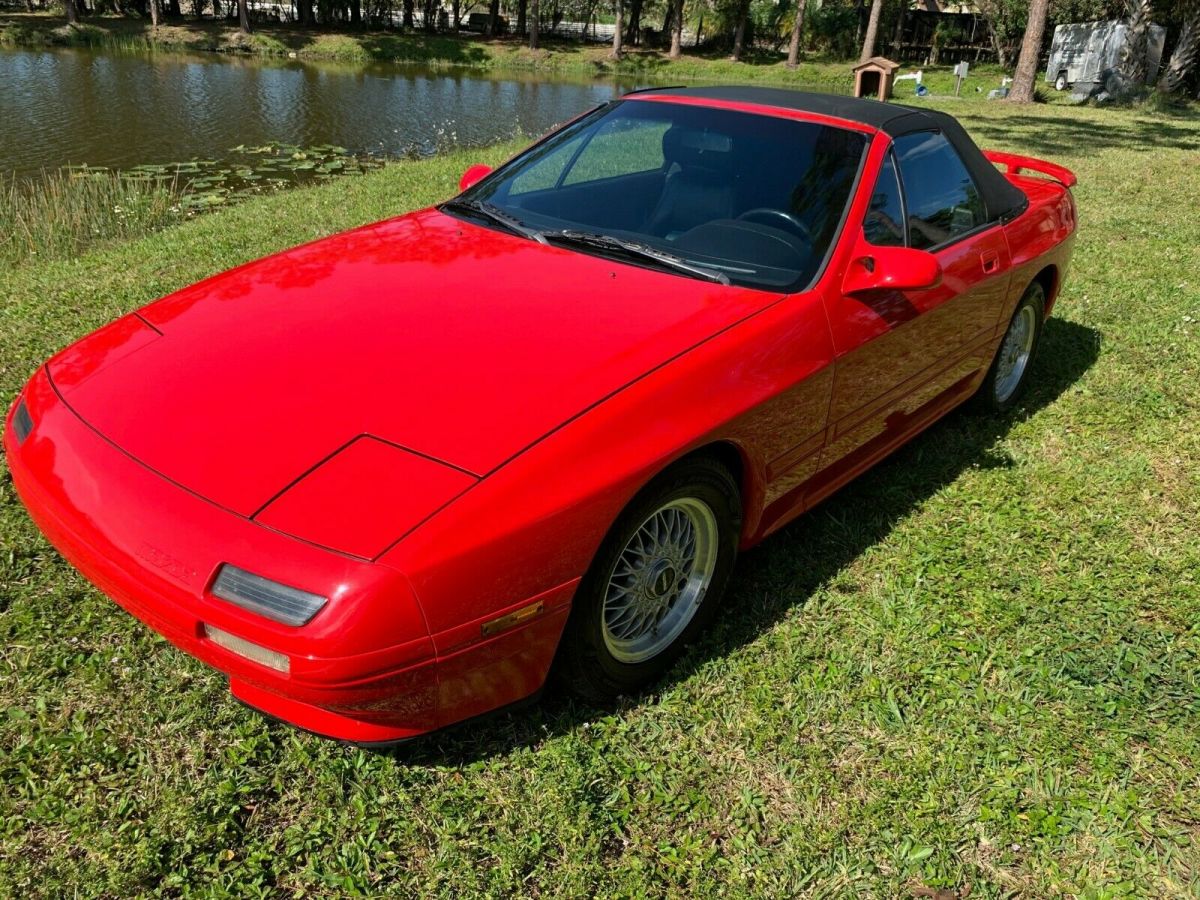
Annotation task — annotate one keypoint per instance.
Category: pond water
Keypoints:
(74, 107)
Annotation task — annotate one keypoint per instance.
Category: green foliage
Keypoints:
(1062, 11)
(66, 211)
(977, 666)
(831, 29)
(62, 212)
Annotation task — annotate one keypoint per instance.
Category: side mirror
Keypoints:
(472, 175)
(890, 269)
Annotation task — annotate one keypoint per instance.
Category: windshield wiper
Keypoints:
(496, 215)
(622, 247)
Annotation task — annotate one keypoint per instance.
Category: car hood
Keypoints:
(456, 342)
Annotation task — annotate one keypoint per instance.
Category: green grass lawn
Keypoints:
(977, 667)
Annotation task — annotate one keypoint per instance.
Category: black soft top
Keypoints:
(1003, 199)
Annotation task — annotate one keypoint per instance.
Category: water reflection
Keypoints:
(75, 106)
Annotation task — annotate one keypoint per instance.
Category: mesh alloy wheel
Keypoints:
(659, 580)
(655, 583)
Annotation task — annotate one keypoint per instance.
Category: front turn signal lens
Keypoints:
(241, 647)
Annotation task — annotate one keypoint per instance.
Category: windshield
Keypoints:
(754, 200)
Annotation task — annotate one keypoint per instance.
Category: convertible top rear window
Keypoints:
(757, 199)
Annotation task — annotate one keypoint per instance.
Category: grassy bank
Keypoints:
(66, 211)
(976, 667)
(363, 47)
(63, 212)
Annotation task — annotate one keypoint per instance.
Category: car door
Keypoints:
(903, 357)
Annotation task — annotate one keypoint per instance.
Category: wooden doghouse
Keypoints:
(874, 77)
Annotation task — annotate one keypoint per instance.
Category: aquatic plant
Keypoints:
(65, 211)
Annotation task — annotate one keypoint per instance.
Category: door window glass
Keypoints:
(943, 201)
(884, 224)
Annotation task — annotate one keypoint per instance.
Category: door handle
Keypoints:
(990, 261)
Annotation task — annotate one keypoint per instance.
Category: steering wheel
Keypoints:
(770, 216)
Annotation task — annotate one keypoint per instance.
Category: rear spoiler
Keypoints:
(1015, 163)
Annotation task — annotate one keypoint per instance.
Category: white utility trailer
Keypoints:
(1084, 54)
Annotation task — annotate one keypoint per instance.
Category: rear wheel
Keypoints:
(655, 583)
(1007, 377)
(1060, 83)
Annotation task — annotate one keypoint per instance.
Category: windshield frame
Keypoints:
(801, 285)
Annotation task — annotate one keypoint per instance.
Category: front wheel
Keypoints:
(1007, 377)
(655, 582)
(1060, 83)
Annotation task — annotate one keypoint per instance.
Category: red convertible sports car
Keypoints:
(384, 480)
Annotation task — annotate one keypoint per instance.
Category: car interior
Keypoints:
(766, 196)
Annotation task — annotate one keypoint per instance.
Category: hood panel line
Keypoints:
(358, 437)
(232, 512)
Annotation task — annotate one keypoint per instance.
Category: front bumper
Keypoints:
(364, 669)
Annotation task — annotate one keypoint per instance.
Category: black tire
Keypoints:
(587, 667)
(994, 394)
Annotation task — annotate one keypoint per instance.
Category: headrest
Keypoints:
(693, 148)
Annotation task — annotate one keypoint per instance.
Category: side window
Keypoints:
(943, 201)
(621, 146)
(884, 223)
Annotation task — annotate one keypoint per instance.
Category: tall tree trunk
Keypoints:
(868, 47)
(618, 31)
(676, 29)
(72, 12)
(494, 21)
(456, 13)
(635, 23)
(243, 16)
(999, 46)
(1183, 59)
(534, 12)
(739, 36)
(304, 11)
(153, 11)
(355, 12)
(793, 59)
(1031, 50)
(898, 34)
(407, 18)
(521, 15)
(173, 9)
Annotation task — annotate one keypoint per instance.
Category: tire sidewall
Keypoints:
(1034, 296)
(593, 671)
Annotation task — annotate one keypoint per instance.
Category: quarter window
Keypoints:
(943, 201)
(884, 224)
